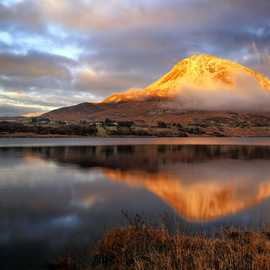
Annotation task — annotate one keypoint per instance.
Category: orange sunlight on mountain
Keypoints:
(201, 72)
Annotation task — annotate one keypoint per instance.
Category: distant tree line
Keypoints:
(70, 129)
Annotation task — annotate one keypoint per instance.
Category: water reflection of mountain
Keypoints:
(201, 183)
(200, 199)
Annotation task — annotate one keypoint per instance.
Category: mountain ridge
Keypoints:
(199, 71)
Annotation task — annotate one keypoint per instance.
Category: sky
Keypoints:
(56, 53)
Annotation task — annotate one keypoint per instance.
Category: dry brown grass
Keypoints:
(145, 247)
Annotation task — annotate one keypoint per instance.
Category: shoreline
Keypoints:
(36, 135)
(117, 141)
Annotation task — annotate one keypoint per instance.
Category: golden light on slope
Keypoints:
(198, 201)
(199, 72)
(32, 114)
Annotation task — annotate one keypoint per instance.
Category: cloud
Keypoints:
(32, 65)
(247, 95)
(45, 45)
(101, 82)
(14, 110)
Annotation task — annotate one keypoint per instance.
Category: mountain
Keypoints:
(75, 113)
(218, 96)
(199, 72)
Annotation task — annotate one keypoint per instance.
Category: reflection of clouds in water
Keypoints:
(7, 161)
(54, 204)
(40, 200)
(85, 202)
(222, 172)
(68, 221)
(58, 196)
(44, 172)
(26, 229)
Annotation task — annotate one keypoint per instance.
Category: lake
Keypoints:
(59, 195)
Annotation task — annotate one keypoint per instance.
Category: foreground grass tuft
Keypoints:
(146, 247)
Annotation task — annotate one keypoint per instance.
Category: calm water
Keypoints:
(64, 194)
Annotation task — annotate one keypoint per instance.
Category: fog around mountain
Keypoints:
(204, 82)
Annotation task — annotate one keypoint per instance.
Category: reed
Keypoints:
(145, 247)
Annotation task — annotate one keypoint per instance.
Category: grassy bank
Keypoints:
(145, 247)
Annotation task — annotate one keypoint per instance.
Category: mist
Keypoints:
(247, 95)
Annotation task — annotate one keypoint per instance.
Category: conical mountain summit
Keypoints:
(199, 72)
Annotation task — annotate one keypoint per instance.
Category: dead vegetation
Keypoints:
(145, 247)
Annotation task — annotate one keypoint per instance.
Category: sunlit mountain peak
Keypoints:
(200, 71)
